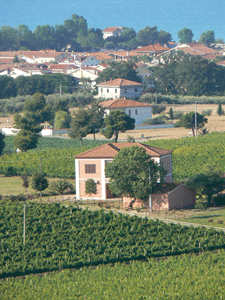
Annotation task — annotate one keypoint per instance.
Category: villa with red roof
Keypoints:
(137, 110)
(91, 165)
(119, 88)
(112, 31)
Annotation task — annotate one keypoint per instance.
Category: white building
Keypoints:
(137, 110)
(120, 88)
(112, 31)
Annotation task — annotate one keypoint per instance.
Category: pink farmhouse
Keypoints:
(91, 165)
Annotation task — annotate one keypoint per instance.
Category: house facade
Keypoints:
(137, 110)
(91, 165)
(120, 88)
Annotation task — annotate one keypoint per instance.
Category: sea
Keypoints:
(167, 15)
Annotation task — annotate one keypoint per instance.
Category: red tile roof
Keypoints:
(120, 102)
(111, 29)
(118, 82)
(151, 48)
(110, 150)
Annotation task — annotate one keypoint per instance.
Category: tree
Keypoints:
(15, 59)
(188, 121)
(25, 179)
(27, 137)
(123, 70)
(61, 185)
(7, 87)
(117, 121)
(97, 117)
(207, 37)
(164, 37)
(171, 113)
(2, 143)
(62, 119)
(220, 111)
(80, 124)
(90, 187)
(209, 182)
(185, 35)
(39, 182)
(133, 173)
(147, 36)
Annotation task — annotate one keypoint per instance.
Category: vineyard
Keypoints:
(58, 237)
(185, 277)
(56, 154)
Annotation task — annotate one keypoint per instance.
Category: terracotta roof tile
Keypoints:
(111, 29)
(151, 48)
(120, 102)
(110, 150)
(118, 82)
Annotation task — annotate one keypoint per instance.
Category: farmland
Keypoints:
(58, 237)
(56, 155)
(184, 277)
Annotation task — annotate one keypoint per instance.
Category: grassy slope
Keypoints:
(185, 277)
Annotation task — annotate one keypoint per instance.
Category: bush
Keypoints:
(206, 112)
(10, 171)
(162, 119)
(177, 114)
(158, 108)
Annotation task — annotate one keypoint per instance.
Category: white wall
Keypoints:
(139, 113)
(132, 93)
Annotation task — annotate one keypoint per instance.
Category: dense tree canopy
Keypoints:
(209, 182)
(185, 35)
(123, 70)
(189, 75)
(207, 37)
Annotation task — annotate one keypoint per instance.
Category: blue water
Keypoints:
(168, 15)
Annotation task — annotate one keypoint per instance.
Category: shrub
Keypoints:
(210, 220)
(158, 108)
(219, 221)
(162, 119)
(206, 112)
(130, 139)
(177, 114)
(10, 171)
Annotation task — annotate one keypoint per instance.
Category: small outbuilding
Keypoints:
(170, 196)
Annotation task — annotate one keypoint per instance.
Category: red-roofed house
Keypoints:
(91, 165)
(137, 110)
(112, 31)
(151, 50)
(119, 88)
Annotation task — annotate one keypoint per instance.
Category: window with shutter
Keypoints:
(90, 169)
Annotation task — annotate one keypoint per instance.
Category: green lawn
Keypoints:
(13, 185)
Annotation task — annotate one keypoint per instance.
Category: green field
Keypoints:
(56, 155)
(186, 277)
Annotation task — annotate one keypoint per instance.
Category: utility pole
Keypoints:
(40, 165)
(195, 119)
(24, 225)
(60, 91)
